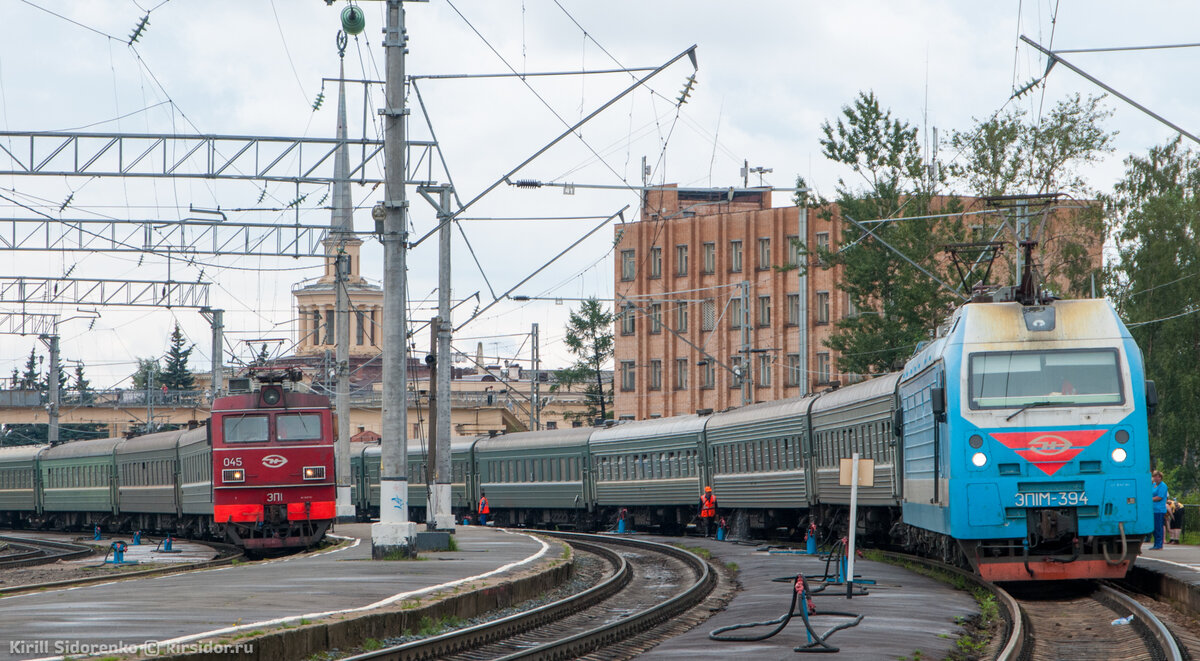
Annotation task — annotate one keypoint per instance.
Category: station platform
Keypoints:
(904, 613)
(178, 608)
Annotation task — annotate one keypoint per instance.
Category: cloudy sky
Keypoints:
(770, 72)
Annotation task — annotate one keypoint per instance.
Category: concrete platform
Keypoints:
(250, 596)
(904, 612)
(1173, 572)
(148, 553)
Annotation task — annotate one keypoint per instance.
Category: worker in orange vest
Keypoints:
(708, 509)
(484, 510)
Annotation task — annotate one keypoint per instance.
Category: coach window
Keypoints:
(245, 429)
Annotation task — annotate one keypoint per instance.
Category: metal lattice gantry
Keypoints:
(176, 237)
(297, 160)
(81, 291)
(27, 323)
(259, 158)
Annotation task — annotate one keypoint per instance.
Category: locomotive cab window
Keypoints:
(298, 426)
(245, 429)
(1068, 377)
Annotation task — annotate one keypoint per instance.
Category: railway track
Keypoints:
(1076, 622)
(27, 552)
(649, 583)
(1073, 621)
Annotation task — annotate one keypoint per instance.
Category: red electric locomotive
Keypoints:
(273, 476)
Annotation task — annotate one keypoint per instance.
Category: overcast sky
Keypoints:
(770, 72)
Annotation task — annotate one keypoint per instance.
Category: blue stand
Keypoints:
(620, 526)
(137, 538)
(811, 546)
(118, 555)
(96, 534)
(720, 534)
(466, 520)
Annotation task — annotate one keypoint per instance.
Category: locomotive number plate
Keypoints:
(1051, 498)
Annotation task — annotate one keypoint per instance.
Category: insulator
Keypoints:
(528, 183)
(141, 27)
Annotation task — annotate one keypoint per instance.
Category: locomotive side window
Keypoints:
(1068, 377)
(298, 427)
(245, 429)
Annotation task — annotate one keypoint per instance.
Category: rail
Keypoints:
(39, 552)
(580, 643)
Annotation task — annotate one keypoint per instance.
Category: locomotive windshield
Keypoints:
(245, 429)
(1005, 379)
(298, 426)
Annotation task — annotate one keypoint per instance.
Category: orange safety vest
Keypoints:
(483, 506)
(708, 505)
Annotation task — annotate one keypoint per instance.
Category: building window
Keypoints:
(362, 326)
(764, 310)
(656, 318)
(823, 367)
(822, 245)
(656, 262)
(681, 317)
(735, 379)
(681, 259)
(708, 373)
(851, 308)
(710, 258)
(708, 315)
(681, 365)
(822, 307)
(735, 313)
(628, 375)
(735, 256)
(627, 265)
(764, 370)
(764, 253)
(793, 309)
(793, 250)
(551, 424)
(627, 320)
(656, 375)
(793, 369)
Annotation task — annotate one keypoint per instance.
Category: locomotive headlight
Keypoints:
(979, 459)
(1119, 455)
(233, 475)
(314, 472)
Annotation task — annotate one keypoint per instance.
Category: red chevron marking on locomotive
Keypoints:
(1049, 450)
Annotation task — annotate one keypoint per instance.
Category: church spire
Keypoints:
(342, 219)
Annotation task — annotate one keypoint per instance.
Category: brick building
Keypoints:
(686, 341)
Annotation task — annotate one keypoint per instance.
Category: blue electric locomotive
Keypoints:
(1024, 440)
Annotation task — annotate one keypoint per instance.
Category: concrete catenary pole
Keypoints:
(441, 515)
(394, 533)
(534, 362)
(51, 342)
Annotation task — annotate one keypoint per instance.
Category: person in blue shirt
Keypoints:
(1159, 499)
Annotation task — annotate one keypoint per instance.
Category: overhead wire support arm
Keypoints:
(541, 268)
(1056, 58)
(27, 323)
(906, 258)
(690, 52)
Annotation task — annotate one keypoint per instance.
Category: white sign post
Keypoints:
(852, 474)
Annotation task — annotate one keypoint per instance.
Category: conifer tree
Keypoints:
(175, 374)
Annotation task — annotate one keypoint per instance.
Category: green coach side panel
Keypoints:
(857, 417)
(758, 454)
(649, 462)
(146, 474)
(80, 476)
(534, 470)
(195, 472)
(18, 478)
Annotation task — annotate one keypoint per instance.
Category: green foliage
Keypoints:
(589, 337)
(37, 434)
(175, 374)
(371, 645)
(898, 305)
(1011, 154)
(148, 373)
(82, 386)
(1155, 216)
(31, 378)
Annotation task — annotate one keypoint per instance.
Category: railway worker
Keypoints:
(1158, 495)
(484, 510)
(708, 509)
